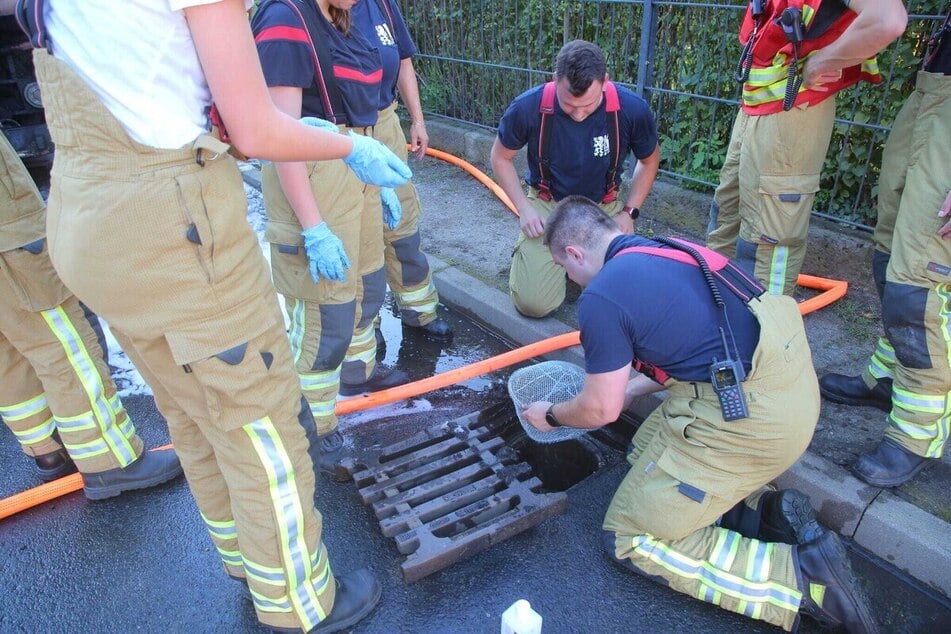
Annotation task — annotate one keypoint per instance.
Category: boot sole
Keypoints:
(855, 596)
(802, 526)
(102, 493)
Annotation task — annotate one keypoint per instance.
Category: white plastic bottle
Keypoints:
(520, 618)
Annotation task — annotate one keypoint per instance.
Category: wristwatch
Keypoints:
(550, 417)
(633, 212)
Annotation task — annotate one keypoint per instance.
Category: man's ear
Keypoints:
(607, 78)
(575, 253)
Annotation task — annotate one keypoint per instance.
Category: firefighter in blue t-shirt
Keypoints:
(579, 129)
(694, 510)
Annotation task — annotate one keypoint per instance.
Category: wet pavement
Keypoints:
(144, 562)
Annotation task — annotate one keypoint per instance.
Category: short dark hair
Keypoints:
(581, 63)
(576, 220)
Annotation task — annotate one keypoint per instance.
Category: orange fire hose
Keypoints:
(832, 290)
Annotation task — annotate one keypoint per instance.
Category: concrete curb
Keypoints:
(897, 531)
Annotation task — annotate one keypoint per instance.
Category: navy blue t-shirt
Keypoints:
(393, 41)
(287, 60)
(580, 158)
(659, 312)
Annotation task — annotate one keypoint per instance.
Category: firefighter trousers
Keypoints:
(331, 322)
(186, 291)
(769, 180)
(912, 266)
(689, 467)
(407, 270)
(536, 283)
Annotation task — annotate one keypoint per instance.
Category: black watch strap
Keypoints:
(550, 417)
(633, 212)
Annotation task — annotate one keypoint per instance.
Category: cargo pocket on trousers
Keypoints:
(233, 373)
(31, 275)
(703, 492)
(787, 202)
(196, 226)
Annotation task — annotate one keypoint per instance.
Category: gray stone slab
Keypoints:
(909, 538)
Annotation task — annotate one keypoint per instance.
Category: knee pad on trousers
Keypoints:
(336, 330)
(879, 267)
(374, 290)
(903, 316)
(413, 264)
(746, 256)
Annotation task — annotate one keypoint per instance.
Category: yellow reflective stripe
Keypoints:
(778, 266)
(918, 402)
(703, 571)
(363, 337)
(322, 408)
(870, 66)
(319, 380)
(230, 557)
(881, 365)
(84, 450)
(29, 407)
(420, 293)
(222, 529)
(35, 434)
(297, 317)
(60, 325)
(289, 516)
(913, 430)
(774, 92)
(808, 13)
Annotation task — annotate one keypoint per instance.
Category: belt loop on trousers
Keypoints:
(208, 143)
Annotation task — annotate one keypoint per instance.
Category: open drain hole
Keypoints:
(561, 465)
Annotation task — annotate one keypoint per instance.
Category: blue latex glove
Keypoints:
(323, 124)
(392, 209)
(325, 253)
(374, 163)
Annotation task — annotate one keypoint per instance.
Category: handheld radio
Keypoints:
(726, 376)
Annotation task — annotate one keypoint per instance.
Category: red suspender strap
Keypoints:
(546, 109)
(612, 106)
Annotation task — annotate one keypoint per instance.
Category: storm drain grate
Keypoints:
(451, 491)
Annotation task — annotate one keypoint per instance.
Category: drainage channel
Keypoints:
(451, 473)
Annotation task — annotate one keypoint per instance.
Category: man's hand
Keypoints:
(624, 222)
(535, 412)
(813, 77)
(530, 222)
(418, 138)
(944, 212)
(325, 253)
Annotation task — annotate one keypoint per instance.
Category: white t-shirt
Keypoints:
(138, 57)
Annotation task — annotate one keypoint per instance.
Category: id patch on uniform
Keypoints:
(692, 492)
(940, 269)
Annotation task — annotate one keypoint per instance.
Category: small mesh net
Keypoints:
(553, 381)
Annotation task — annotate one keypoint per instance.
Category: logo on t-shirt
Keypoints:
(602, 145)
(383, 32)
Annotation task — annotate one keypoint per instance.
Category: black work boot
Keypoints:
(332, 453)
(788, 517)
(830, 594)
(851, 390)
(382, 378)
(150, 469)
(53, 466)
(890, 465)
(358, 592)
(436, 330)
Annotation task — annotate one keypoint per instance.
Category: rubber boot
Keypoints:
(851, 390)
(890, 465)
(53, 466)
(150, 469)
(357, 594)
(830, 594)
(436, 330)
(382, 378)
(332, 453)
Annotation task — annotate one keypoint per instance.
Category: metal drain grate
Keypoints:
(452, 491)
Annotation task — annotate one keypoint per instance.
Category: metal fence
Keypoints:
(477, 55)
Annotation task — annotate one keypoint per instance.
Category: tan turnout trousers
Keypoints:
(689, 467)
(916, 298)
(407, 270)
(769, 180)
(331, 322)
(55, 387)
(536, 283)
(157, 242)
